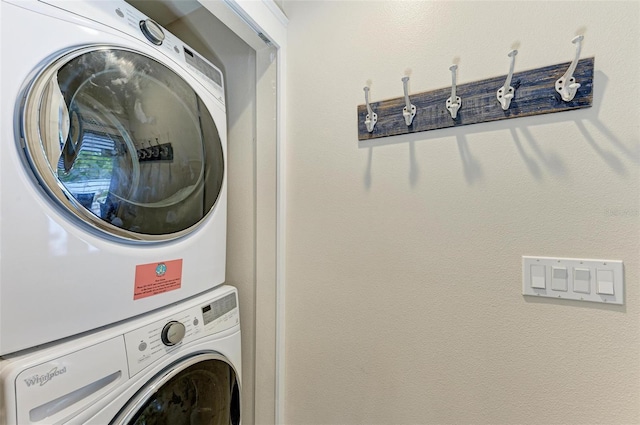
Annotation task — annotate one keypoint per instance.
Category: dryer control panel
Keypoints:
(147, 344)
(123, 17)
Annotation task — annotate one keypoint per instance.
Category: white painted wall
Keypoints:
(404, 300)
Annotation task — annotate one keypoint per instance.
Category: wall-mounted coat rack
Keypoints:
(534, 92)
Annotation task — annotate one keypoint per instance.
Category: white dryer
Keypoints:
(112, 169)
(178, 366)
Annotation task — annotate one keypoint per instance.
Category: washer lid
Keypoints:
(123, 143)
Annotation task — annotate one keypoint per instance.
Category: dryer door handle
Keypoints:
(56, 121)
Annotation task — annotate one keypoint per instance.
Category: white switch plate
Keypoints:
(587, 289)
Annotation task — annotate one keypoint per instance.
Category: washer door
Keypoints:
(201, 390)
(123, 143)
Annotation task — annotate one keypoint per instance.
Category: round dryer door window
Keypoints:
(201, 390)
(123, 143)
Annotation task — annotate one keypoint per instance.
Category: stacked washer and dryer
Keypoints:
(112, 222)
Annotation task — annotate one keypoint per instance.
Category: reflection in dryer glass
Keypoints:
(131, 142)
(203, 394)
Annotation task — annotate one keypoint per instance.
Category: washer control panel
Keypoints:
(173, 333)
(151, 342)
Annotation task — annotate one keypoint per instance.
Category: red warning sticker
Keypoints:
(157, 278)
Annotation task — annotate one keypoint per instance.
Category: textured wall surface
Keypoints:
(404, 301)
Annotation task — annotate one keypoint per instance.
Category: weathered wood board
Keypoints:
(535, 94)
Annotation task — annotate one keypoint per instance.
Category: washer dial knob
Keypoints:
(172, 333)
(152, 31)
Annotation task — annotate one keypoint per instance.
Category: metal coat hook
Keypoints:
(372, 118)
(454, 102)
(409, 111)
(506, 92)
(566, 85)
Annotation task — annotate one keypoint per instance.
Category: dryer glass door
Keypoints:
(202, 390)
(123, 143)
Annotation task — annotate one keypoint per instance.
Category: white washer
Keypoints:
(180, 365)
(112, 169)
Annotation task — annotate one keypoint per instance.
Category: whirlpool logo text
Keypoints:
(43, 379)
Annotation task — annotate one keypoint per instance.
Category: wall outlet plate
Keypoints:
(600, 281)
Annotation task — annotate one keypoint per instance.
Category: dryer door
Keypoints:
(123, 143)
(201, 390)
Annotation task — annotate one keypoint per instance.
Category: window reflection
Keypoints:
(89, 179)
(58, 239)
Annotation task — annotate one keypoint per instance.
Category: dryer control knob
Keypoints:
(152, 31)
(172, 333)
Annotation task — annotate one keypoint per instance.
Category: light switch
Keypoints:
(559, 277)
(538, 278)
(582, 280)
(579, 279)
(605, 282)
